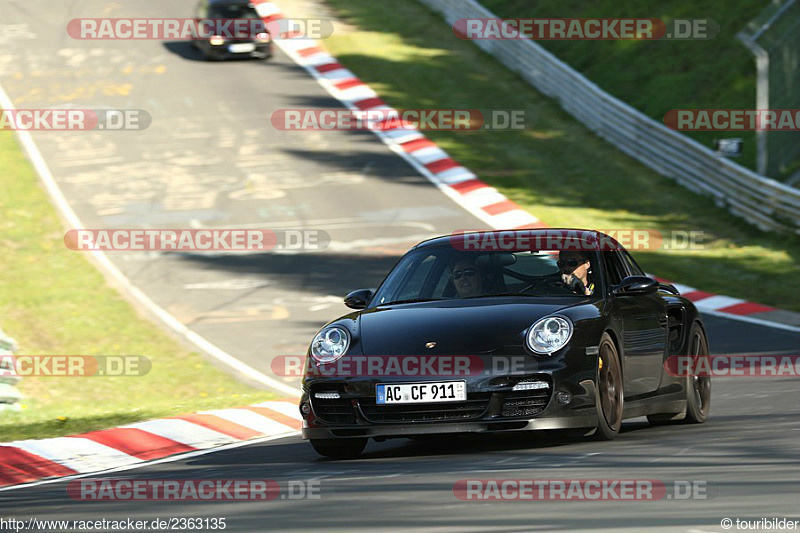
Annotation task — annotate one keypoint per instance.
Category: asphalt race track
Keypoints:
(212, 159)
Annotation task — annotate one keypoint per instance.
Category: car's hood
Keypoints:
(458, 327)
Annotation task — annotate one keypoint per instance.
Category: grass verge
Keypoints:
(559, 170)
(53, 301)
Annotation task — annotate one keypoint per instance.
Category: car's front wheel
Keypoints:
(610, 396)
(339, 448)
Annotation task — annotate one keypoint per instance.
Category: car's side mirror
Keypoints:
(635, 285)
(359, 299)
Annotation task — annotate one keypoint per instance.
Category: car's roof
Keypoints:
(543, 235)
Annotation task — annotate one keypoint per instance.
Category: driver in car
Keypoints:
(467, 278)
(575, 271)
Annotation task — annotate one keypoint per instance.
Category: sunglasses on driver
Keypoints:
(572, 263)
(469, 272)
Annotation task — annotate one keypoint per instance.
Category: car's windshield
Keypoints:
(232, 11)
(442, 273)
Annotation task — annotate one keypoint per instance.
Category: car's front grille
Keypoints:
(525, 402)
(474, 407)
(338, 411)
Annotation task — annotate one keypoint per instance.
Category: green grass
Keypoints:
(53, 301)
(559, 171)
(656, 76)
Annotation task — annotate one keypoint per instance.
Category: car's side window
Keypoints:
(633, 268)
(614, 267)
(442, 284)
(414, 283)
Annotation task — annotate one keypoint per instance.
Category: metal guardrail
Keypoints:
(767, 203)
(9, 395)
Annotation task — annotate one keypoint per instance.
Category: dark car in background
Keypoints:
(255, 42)
(545, 353)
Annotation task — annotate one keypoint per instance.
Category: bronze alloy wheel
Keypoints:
(698, 390)
(609, 390)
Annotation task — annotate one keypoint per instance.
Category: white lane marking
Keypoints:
(483, 197)
(338, 246)
(184, 432)
(683, 289)
(171, 459)
(358, 92)
(429, 155)
(515, 218)
(284, 408)
(228, 284)
(252, 420)
(716, 302)
(79, 454)
(338, 75)
(456, 175)
(105, 264)
(752, 320)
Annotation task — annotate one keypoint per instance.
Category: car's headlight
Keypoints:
(330, 344)
(549, 334)
(216, 40)
(263, 37)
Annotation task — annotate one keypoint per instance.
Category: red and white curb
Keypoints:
(28, 461)
(462, 185)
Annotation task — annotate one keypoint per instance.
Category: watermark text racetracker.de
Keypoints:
(193, 490)
(391, 119)
(601, 239)
(740, 365)
(733, 119)
(579, 489)
(182, 29)
(196, 240)
(72, 366)
(557, 29)
(74, 119)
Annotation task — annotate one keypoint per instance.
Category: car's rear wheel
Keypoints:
(610, 395)
(339, 448)
(698, 388)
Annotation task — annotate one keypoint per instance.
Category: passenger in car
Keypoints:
(467, 278)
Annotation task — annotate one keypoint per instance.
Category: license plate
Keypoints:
(445, 391)
(241, 48)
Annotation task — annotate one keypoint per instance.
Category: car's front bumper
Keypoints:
(356, 415)
(261, 51)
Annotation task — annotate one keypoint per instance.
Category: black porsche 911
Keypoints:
(255, 41)
(503, 331)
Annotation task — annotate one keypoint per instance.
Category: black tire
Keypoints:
(610, 396)
(339, 448)
(698, 389)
